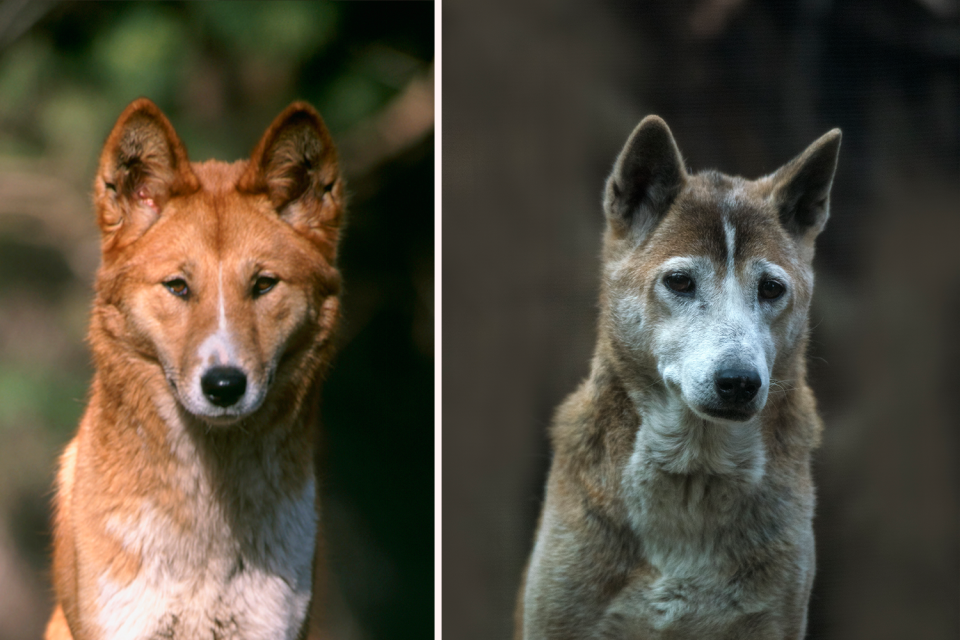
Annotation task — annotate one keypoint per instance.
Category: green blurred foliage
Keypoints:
(223, 65)
(40, 396)
(277, 31)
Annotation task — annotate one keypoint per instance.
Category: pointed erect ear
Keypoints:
(295, 166)
(801, 188)
(647, 176)
(143, 166)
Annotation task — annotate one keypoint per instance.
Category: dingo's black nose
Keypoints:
(223, 386)
(737, 386)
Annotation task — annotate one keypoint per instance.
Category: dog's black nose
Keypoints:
(737, 386)
(223, 386)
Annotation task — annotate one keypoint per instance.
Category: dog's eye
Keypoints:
(178, 287)
(263, 284)
(770, 289)
(679, 282)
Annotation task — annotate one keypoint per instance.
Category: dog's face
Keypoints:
(708, 278)
(221, 273)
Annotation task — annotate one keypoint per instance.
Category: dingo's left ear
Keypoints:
(801, 188)
(647, 176)
(295, 165)
(143, 166)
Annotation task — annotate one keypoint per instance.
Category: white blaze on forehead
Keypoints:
(222, 318)
(730, 235)
(734, 199)
(218, 348)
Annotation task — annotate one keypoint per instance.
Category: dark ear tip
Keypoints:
(142, 103)
(653, 134)
(653, 123)
(301, 105)
(653, 120)
(831, 139)
(302, 111)
(141, 107)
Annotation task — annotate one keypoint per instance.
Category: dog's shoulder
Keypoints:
(592, 433)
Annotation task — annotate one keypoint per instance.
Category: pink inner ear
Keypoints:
(146, 199)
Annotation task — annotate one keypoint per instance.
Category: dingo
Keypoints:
(186, 503)
(679, 502)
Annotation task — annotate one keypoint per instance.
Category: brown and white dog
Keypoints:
(186, 504)
(680, 502)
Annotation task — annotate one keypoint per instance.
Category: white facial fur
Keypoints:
(191, 585)
(221, 349)
(722, 324)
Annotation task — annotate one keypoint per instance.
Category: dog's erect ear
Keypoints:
(801, 188)
(647, 176)
(143, 166)
(295, 166)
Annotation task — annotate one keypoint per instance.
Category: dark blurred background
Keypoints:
(222, 71)
(539, 97)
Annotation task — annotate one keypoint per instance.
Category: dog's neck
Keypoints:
(670, 438)
(222, 519)
(673, 439)
(255, 461)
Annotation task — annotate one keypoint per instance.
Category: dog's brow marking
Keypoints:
(222, 324)
(731, 237)
(218, 346)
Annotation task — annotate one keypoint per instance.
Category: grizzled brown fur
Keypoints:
(665, 517)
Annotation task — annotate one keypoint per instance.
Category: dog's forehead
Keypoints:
(221, 223)
(216, 176)
(715, 213)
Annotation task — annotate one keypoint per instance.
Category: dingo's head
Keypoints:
(707, 277)
(222, 275)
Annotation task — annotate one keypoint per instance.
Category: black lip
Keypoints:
(732, 415)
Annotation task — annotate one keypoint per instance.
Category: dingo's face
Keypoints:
(221, 299)
(222, 273)
(708, 278)
(713, 296)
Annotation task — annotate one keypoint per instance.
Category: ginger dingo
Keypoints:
(186, 503)
(679, 502)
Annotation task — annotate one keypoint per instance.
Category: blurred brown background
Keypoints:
(222, 71)
(539, 97)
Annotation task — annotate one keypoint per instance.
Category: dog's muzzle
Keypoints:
(735, 393)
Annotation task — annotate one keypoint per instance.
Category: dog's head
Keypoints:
(222, 275)
(707, 277)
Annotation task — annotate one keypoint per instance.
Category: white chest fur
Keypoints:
(685, 485)
(686, 480)
(223, 580)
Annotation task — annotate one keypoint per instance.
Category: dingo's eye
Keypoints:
(770, 290)
(680, 282)
(263, 284)
(178, 287)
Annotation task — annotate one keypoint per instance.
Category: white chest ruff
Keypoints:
(218, 581)
(685, 481)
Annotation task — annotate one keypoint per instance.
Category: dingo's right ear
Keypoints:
(295, 165)
(142, 166)
(648, 174)
(801, 188)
